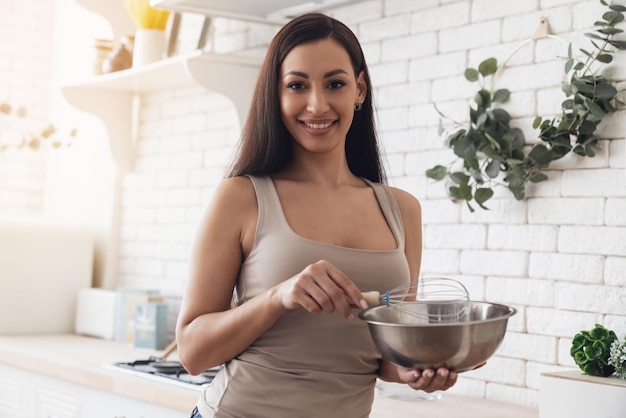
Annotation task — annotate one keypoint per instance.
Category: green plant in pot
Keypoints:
(591, 351)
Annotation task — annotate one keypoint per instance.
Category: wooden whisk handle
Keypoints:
(372, 298)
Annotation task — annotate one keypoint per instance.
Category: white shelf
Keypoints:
(268, 11)
(197, 67)
(110, 96)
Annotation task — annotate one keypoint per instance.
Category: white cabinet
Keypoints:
(15, 397)
(25, 394)
(572, 393)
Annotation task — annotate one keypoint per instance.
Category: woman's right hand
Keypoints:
(321, 287)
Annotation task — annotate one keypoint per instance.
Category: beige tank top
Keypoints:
(305, 365)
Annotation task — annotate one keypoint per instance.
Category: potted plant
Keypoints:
(591, 351)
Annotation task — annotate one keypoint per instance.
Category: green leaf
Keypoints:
(483, 98)
(488, 67)
(490, 152)
(605, 91)
(515, 178)
(618, 44)
(459, 177)
(569, 50)
(592, 369)
(482, 119)
(586, 127)
(518, 192)
(598, 333)
(539, 177)
(583, 86)
(592, 352)
(465, 191)
(493, 169)
(541, 155)
(462, 146)
(567, 89)
(477, 175)
(471, 162)
(610, 31)
(501, 95)
(605, 58)
(454, 192)
(613, 17)
(438, 172)
(482, 195)
(579, 358)
(471, 74)
(592, 36)
(501, 116)
(618, 7)
(594, 109)
(568, 65)
(536, 122)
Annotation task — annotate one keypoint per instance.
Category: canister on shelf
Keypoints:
(118, 59)
(103, 48)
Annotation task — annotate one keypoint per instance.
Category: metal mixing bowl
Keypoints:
(412, 334)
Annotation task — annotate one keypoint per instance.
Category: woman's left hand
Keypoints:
(428, 380)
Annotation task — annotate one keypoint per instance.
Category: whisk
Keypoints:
(435, 299)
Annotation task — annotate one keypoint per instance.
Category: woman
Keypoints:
(299, 228)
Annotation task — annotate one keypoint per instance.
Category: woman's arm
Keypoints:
(208, 332)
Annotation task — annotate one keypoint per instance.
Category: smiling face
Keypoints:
(318, 91)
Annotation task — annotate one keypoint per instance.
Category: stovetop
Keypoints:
(167, 371)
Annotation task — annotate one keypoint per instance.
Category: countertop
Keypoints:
(81, 360)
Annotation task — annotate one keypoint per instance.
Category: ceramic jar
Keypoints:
(119, 59)
(102, 49)
(149, 46)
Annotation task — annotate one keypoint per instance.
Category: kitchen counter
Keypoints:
(81, 360)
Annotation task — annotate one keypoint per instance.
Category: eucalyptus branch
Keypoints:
(490, 148)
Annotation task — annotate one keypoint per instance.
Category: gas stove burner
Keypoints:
(173, 370)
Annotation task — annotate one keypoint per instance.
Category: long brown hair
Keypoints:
(265, 145)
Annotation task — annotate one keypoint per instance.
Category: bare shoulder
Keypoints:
(409, 205)
(231, 193)
(232, 202)
(232, 214)
(235, 189)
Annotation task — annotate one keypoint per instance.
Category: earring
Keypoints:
(358, 107)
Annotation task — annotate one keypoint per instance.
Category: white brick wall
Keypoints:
(558, 257)
(25, 45)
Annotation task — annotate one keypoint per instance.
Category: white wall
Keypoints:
(558, 256)
(24, 73)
